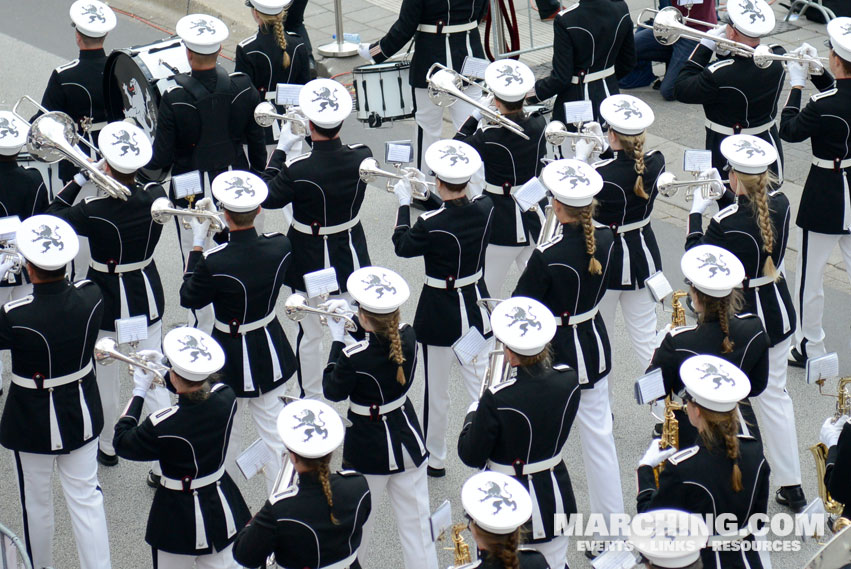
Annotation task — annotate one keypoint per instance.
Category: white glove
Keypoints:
(337, 327)
(815, 66)
(830, 431)
(656, 456)
(363, 51)
(80, 179)
(200, 231)
(797, 73)
(718, 32)
(5, 266)
(416, 176)
(206, 203)
(288, 139)
(403, 191)
(154, 359)
(337, 305)
(660, 336)
(584, 149)
(700, 204)
(142, 381)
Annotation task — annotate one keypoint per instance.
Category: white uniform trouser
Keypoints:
(408, 493)
(220, 560)
(812, 260)
(264, 410)
(203, 317)
(594, 421)
(498, 259)
(8, 294)
(78, 474)
(639, 316)
(555, 550)
(429, 117)
(777, 419)
(438, 363)
(311, 357)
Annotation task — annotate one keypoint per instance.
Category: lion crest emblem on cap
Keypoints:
(126, 142)
(717, 375)
(202, 26)
(379, 285)
(749, 7)
(498, 497)
(238, 186)
(750, 149)
(569, 172)
(49, 237)
(311, 423)
(715, 263)
(95, 13)
(454, 155)
(8, 127)
(525, 318)
(628, 109)
(509, 74)
(196, 348)
(326, 98)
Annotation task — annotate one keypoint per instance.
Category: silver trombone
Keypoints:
(668, 186)
(369, 171)
(669, 26)
(265, 114)
(444, 88)
(551, 228)
(296, 308)
(556, 133)
(162, 210)
(763, 57)
(106, 353)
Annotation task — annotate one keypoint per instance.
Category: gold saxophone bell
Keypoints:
(819, 450)
(460, 549)
(296, 308)
(106, 352)
(678, 313)
(369, 171)
(670, 432)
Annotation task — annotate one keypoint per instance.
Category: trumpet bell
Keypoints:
(555, 133)
(667, 25)
(162, 210)
(264, 114)
(762, 56)
(665, 184)
(104, 350)
(369, 170)
(295, 306)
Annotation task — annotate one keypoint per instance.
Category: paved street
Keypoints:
(34, 42)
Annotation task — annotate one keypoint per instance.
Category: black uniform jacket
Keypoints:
(527, 559)
(736, 229)
(452, 242)
(189, 440)
(22, 193)
(635, 255)
(588, 37)
(52, 333)
(365, 375)
(697, 480)
(326, 190)
(557, 275)
(296, 526)
(432, 48)
(510, 161)
(242, 279)
(522, 421)
(825, 122)
(837, 476)
(119, 233)
(734, 93)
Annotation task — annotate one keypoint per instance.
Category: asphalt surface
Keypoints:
(34, 42)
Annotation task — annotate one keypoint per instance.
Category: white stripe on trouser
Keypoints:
(429, 116)
(439, 363)
(78, 476)
(777, 419)
(247, 379)
(264, 410)
(554, 550)
(846, 215)
(200, 531)
(811, 306)
(309, 350)
(626, 266)
(651, 265)
(519, 230)
(594, 422)
(498, 259)
(203, 316)
(408, 493)
(219, 560)
(538, 531)
(111, 378)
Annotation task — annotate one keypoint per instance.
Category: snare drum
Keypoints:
(136, 78)
(383, 92)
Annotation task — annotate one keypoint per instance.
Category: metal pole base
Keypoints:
(334, 49)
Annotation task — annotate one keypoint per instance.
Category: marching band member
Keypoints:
(326, 192)
(669, 539)
(197, 508)
(835, 434)
(764, 217)
(723, 473)
(824, 214)
(625, 204)
(294, 24)
(593, 47)
(242, 280)
(722, 329)
(519, 427)
(451, 241)
(316, 521)
(737, 96)
(52, 414)
(123, 238)
(568, 274)
(385, 442)
(509, 161)
(444, 34)
(497, 506)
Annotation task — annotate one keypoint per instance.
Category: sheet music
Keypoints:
(474, 67)
(470, 346)
(132, 329)
(530, 194)
(658, 285)
(321, 282)
(615, 559)
(254, 458)
(287, 94)
(188, 184)
(440, 520)
(649, 387)
(9, 227)
(578, 111)
(823, 367)
(697, 160)
(399, 151)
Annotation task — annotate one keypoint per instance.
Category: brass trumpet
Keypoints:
(162, 210)
(556, 133)
(444, 88)
(106, 353)
(668, 186)
(819, 450)
(369, 171)
(763, 57)
(265, 114)
(296, 308)
(669, 26)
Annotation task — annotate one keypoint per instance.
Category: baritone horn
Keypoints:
(763, 57)
(296, 308)
(162, 210)
(369, 171)
(444, 88)
(556, 133)
(668, 186)
(669, 26)
(106, 353)
(265, 114)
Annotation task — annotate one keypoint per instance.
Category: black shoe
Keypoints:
(796, 359)
(657, 430)
(792, 497)
(657, 84)
(153, 479)
(107, 459)
(435, 472)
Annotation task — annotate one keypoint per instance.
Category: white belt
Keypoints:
(329, 230)
(498, 190)
(456, 283)
(626, 227)
(453, 29)
(366, 410)
(342, 563)
(831, 164)
(247, 327)
(194, 484)
(728, 130)
(591, 77)
(758, 282)
(122, 268)
(530, 468)
(578, 318)
(49, 383)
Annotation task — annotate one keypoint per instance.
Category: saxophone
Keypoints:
(819, 450)
(678, 316)
(461, 550)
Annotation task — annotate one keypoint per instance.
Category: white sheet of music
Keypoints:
(254, 458)
(697, 160)
(614, 559)
(399, 152)
(440, 520)
(9, 228)
(649, 387)
(132, 329)
(658, 285)
(822, 367)
(470, 346)
(530, 194)
(287, 94)
(322, 282)
(578, 111)
(188, 184)
(474, 67)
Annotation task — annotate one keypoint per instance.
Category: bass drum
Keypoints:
(383, 92)
(135, 79)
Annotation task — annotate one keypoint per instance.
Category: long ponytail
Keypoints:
(634, 146)
(387, 327)
(721, 309)
(275, 24)
(723, 427)
(756, 187)
(501, 547)
(321, 466)
(594, 266)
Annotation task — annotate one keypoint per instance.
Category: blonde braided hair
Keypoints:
(594, 266)
(501, 547)
(276, 23)
(634, 145)
(387, 327)
(755, 186)
(323, 472)
(723, 426)
(721, 309)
